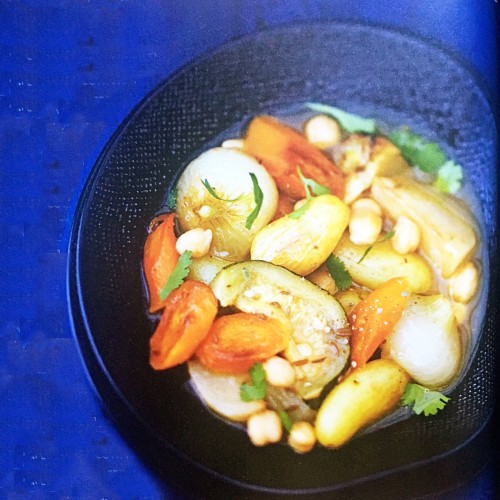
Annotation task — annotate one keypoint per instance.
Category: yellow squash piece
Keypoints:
(302, 244)
(382, 263)
(363, 397)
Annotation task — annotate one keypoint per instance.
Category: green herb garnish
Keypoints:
(172, 199)
(425, 155)
(423, 400)
(258, 196)
(212, 191)
(386, 237)
(285, 420)
(258, 388)
(297, 214)
(312, 187)
(449, 178)
(349, 122)
(179, 274)
(338, 272)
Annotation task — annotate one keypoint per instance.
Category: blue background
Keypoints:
(70, 71)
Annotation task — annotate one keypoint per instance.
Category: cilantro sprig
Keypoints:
(349, 122)
(258, 196)
(449, 178)
(258, 388)
(172, 199)
(338, 272)
(312, 188)
(430, 158)
(179, 274)
(386, 237)
(426, 155)
(212, 191)
(422, 399)
(285, 420)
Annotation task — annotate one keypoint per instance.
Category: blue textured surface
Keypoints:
(70, 73)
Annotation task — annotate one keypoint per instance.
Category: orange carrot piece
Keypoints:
(160, 258)
(375, 317)
(186, 320)
(282, 150)
(238, 341)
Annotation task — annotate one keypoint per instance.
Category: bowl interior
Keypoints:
(366, 70)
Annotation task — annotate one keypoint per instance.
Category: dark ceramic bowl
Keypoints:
(366, 70)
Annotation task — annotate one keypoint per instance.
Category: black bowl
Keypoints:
(366, 70)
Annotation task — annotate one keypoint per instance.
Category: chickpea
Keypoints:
(197, 241)
(323, 131)
(406, 235)
(302, 437)
(279, 372)
(365, 223)
(264, 428)
(463, 284)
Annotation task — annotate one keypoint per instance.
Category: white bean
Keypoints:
(463, 284)
(406, 235)
(279, 372)
(302, 437)
(197, 241)
(322, 131)
(365, 223)
(264, 428)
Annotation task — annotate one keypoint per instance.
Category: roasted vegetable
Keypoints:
(382, 263)
(447, 228)
(282, 150)
(375, 317)
(160, 258)
(222, 392)
(318, 348)
(425, 342)
(217, 191)
(186, 320)
(303, 243)
(360, 399)
(236, 342)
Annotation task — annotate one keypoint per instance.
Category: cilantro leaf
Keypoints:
(297, 214)
(386, 237)
(172, 199)
(211, 190)
(285, 420)
(258, 388)
(425, 155)
(349, 122)
(449, 178)
(312, 186)
(423, 400)
(338, 272)
(258, 196)
(179, 274)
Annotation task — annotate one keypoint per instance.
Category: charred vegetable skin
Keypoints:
(328, 264)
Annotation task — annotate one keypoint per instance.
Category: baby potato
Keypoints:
(383, 263)
(302, 243)
(363, 397)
